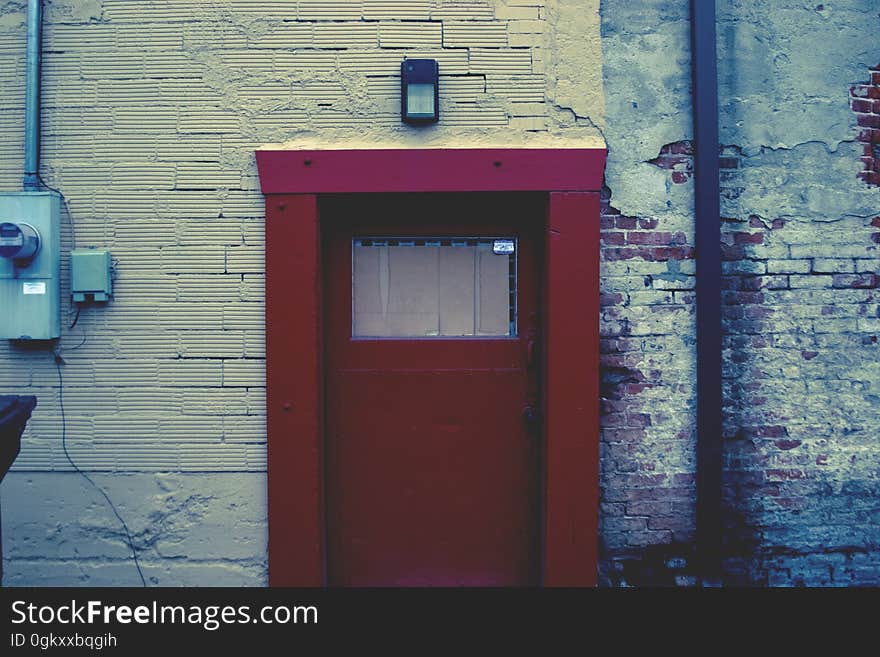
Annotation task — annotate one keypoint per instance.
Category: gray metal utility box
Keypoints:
(30, 265)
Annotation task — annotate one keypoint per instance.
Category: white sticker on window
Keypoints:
(34, 288)
(503, 247)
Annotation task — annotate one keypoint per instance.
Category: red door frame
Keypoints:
(292, 180)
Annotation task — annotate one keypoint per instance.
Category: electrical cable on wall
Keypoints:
(59, 361)
(66, 208)
(72, 227)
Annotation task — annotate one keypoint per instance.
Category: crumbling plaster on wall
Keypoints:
(647, 457)
(783, 102)
(784, 71)
(783, 68)
(800, 308)
(646, 58)
(574, 73)
(784, 183)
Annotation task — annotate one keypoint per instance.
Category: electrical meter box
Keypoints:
(30, 265)
(90, 275)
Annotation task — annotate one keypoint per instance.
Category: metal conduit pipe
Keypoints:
(32, 97)
(708, 289)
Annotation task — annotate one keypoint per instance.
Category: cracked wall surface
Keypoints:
(802, 366)
(801, 265)
(189, 530)
(152, 111)
(151, 114)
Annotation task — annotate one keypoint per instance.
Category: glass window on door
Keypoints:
(440, 287)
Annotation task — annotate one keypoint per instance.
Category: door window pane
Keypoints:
(443, 287)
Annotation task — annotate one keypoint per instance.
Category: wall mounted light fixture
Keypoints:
(419, 97)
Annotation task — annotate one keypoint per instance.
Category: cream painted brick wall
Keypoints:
(151, 114)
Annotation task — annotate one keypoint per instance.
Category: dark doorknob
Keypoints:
(534, 421)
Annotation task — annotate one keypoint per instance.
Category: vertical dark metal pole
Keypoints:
(708, 287)
(32, 97)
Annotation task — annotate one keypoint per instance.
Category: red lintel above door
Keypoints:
(431, 170)
(293, 181)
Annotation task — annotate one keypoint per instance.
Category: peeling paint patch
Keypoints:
(678, 159)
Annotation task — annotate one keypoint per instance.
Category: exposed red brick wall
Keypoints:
(677, 158)
(865, 102)
(647, 504)
(796, 296)
(791, 297)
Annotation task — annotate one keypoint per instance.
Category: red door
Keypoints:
(432, 400)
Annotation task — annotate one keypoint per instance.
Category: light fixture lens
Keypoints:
(420, 101)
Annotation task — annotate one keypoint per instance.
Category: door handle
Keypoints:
(534, 421)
